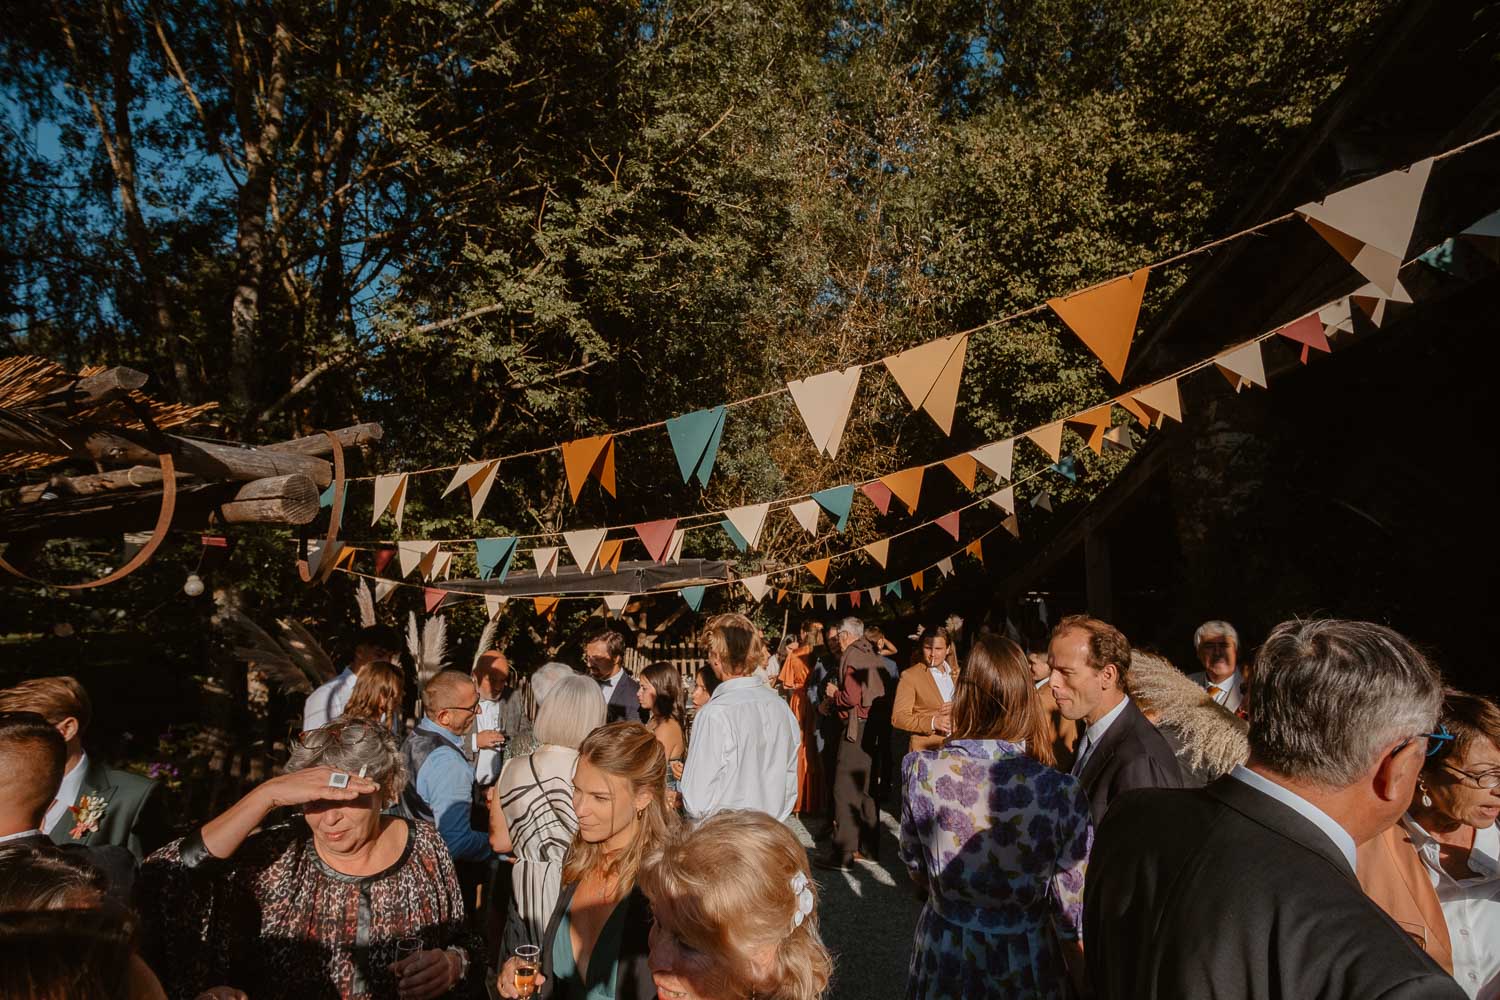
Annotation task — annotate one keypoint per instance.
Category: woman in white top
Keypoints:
(535, 821)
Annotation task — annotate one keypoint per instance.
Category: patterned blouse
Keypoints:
(276, 921)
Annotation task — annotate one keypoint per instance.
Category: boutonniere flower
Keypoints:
(86, 815)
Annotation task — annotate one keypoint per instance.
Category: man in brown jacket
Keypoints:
(924, 695)
(860, 683)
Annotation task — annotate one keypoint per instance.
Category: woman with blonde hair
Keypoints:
(745, 739)
(595, 946)
(377, 695)
(736, 913)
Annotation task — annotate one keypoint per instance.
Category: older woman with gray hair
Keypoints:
(343, 900)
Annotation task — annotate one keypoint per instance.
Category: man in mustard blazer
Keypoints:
(924, 694)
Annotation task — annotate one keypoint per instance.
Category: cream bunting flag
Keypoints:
(1104, 318)
(806, 514)
(478, 477)
(442, 566)
(756, 586)
(906, 486)
(1160, 399)
(996, 458)
(824, 401)
(874, 595)
(1370, 224)
(674, 550)
(1005, 499)
(929, 375)
(1049, 439)
(583, 546)
(830, 601)
(492, 605)
(390, 494)
(1372, 299)
(879, 550)
(807, 600)
(1121, 437)
(1243, 366)
(615, 603)
(945, 565)
(416, 556)
(749, 521)
(384, 589)
(546, 560)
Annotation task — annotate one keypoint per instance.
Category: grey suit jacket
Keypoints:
(132, 818)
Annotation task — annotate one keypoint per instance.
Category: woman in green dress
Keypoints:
(597, 943)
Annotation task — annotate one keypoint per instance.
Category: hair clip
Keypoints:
(803, 891)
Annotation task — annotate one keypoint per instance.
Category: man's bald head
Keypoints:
(450, 699)
(32, 755)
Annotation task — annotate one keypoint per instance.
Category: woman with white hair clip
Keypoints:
(531, 805)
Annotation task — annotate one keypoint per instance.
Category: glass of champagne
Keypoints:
(528, 957)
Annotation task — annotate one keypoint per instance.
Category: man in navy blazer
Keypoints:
(604, 655)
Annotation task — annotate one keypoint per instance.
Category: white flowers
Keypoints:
(803, 891)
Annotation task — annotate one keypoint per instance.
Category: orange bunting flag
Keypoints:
(906, 485)
(1104, 318)
(949, 523)
(1013, 525)
(609, 554)
(1370, 224)
(997, 458)
(545, 606)
(478, 477)
(657, 537)
(824, 401)
(879, 550)
(1091, 425)
(976, 550)
(819, 569)
(432, 597)
(590, 457)
(1243, 366)
(964, 469)
(1160, 400)
(780, 594)
(929, 375)
(1136, 410)
(916, 579)
(1049, 439)
(1307, 331)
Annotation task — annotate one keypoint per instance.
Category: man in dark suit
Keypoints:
(1120, 750)
(1245, 889)
(95, 805)
(604, 655)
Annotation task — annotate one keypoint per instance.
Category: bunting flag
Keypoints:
(824, 401)
(879, 494)
(1091, 425)
(756, 586)
(906, 485)
(1121, 438)
(734, 536)
(390, 495)
(949, 523)
(657, 537)
(609, 554)
(325, 499)
(1307, 331)
(916, 579)
(615, 603)
(1370, 224)
(806, 513)
(493, 603)
(674, 551)
(807, 600)
(1048, 438)
(416, 556)
(478, 477)
(583, 546)
(1337, 317)
(945, 565)
(1067, 468)
(432, 598)
(1243, 366)
(780, 594)
(1104, 318)
(837, 500)
(694, 596)
(879, 550)
(929, 375)
(894, 587)
(695, 441)
(590, 457)
(1043, 500)
(874, 594)
(996, 458)
(854, 596)
(442, 566)
(383, 557)
(545, 606)
(1013, 525)
(1160, 400)
(819, 569)
(964, 469)
(830, 601)
(546, 561)
(384, 589)
(1372, 299)
(1005, 499)
(749, 522)
(494, 555)
(976, 550)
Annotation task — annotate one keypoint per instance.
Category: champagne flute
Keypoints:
(528, 957)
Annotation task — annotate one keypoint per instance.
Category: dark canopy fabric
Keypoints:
(631, 578)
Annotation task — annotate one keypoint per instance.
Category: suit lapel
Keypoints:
(1108, 744)
(95, 782)
(1280, 818)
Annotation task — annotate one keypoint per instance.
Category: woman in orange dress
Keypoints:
(793, 679)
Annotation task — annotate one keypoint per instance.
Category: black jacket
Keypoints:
(1225, 893)
(625, 703)
(633, 981)
(1132, 754)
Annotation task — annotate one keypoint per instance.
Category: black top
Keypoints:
(625, 701)
(1225, 892)
(633, 980)
(1130, 755)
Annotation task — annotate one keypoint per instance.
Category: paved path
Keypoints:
(868, 915)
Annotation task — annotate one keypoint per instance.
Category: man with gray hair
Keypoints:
(857, 822)
(1217, 646)
(1245, 889)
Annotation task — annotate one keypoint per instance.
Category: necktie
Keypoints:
(1083, 754)
(1214, 691)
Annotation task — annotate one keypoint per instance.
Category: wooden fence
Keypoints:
(686, 657)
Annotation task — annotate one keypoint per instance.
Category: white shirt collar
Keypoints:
(1330, 827)
(1484, 858)
(1229, 685)
(67, 793)
(735, 684)
(1096, 731)
(610, 685)
(17, 836)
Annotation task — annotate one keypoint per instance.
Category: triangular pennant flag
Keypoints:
(1067, 468)
(609, 553)
(1013, 525)
(824, 401)
(807, 600)
(1370, 224)
(318, 552)
(997, 458)
(695, 441)
(929, 375)
(384, 589)
(325, 499)
(976, 550)
(1162, 399)
(879, 550)
(964, 469)
(432, 598)
(494, 556)
(945, 565)
(874, 594)
(1337, 316)
(819, 569)
(1104, 318)
(693, 596)
(1489, 226)
(749, 521)
(854, 597)
(492, 605)
(615, 603)
(1005, 499)
(1307, 331)
(837, 500)
(949, 523)
(383, 559)
(657, 537)
(1120, 437)
(674, 551)
(879, 494)
(1136, 410)
(1048, 438)
(442, 565)
(590, 456)
(1243, 366)
(916, 579)
(1042, 500)
(906, 485)
(830, 601)
(546, 561)
(1372, 299)
(390, 494)
(756, 586)
(894, 587)
(735, 536)
(806, 513)
(479, 477)
(1091, 425)
(780, 595)
(545, 606)
(416, 556)
(583, 546)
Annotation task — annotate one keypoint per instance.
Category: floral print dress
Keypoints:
(1003, 841)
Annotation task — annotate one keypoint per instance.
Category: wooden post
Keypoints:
(277, 500)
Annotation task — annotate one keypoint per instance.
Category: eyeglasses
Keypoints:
(1436, 742)
(1484, 779)
(460, 708)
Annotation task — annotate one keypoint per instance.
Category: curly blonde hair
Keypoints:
(737, 643)
(725, 889)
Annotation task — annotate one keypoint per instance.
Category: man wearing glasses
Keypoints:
(1218, 647)
(440, 778)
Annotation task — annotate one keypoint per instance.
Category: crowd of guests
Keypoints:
(1079, 819)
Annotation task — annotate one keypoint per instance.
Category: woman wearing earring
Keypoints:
(596, 944)
(1437, 872)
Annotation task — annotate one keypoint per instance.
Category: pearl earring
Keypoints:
(1426, 799)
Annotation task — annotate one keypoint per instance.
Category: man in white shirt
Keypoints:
(372, 644)
(500, 713)
(1218, 647)
(743, 754)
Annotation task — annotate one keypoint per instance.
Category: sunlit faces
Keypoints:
(1081, 691)
(606, 806)
(1457, 788)
(596, 657)
(1218, 655)
(679, 971)
(345, 827)
(646, 694)
(935, 650)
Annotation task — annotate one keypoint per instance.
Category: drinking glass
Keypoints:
(407, 947)
(528, 957)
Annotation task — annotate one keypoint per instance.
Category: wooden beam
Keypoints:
(319, 445)
(70, 486)
(211, 460)
(93, 389)
(278, 500)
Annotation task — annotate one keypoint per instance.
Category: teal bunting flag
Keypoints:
(693, 596)
(494, 554)
(735, 536)
(837, 502)
(695, 440)
(894, 587)
(325, 499)
(1067, 468)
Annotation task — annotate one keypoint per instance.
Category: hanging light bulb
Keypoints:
(193, 586)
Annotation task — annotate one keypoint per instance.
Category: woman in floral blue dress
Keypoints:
(999, 841)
